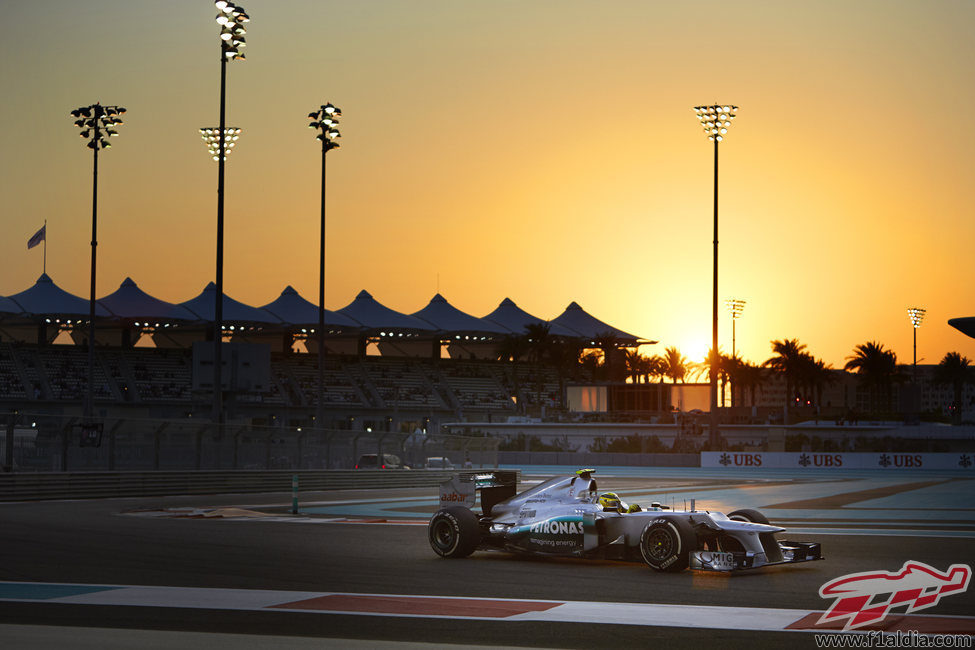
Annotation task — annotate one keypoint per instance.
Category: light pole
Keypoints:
(716, 120)
(231, 19)
(916, 315)
(325, 120)
(97, 123)
(736, 307)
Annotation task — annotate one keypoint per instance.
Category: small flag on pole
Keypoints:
(39, 236)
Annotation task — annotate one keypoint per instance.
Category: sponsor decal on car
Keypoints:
(561, 526)
(712, 561)
(867, 597)
(556, 533)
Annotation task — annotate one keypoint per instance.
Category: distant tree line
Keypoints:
(805, 376)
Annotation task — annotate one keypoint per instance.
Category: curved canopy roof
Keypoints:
(291, 308)
(579, 320)
(514, 318)
(964, 325)
(203, 306)
(129, 301)
(374, 316)
(48, 299)
(445, 317)
(8, 306)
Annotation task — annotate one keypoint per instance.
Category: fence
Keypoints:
(590, 459)
(34, 486)
(46, 443)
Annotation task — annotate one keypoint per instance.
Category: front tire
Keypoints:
(746, 514)
(666, 544)
(454, 532)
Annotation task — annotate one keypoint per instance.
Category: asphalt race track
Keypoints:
(354, 569)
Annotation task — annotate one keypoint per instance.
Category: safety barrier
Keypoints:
(94, 485)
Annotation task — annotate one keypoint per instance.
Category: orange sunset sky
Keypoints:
(544, 151)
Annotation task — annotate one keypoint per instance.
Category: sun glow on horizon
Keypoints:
(695, 351)
(618, 218)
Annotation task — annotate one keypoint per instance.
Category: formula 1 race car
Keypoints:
(567, 516)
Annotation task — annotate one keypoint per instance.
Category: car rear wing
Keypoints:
(495, 486)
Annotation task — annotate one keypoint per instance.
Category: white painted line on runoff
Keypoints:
(446, 607)
(561, 611)
(689, 616)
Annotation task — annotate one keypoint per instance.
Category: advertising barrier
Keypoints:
(850, 460)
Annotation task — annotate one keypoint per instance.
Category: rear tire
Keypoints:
(746, 514)
(666, 544)
(454, 532)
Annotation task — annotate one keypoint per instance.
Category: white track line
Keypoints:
(415, 606)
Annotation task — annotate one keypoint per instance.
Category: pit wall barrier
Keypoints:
(591, 459)
(95, 485)
(849, 460)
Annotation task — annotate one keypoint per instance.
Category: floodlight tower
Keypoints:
(97, 124)
(916, 314)
(716, 120)
(231, 18)
(325, 121)
(736, 307)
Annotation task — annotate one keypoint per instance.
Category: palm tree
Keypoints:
(538, 341)
(512, 348)
(703, 369)
(877, 368)
(609, 343)
(956, 371)
(675, 365)
(591, 363)
(788, 360)
(732, 367)
(564, 356)
(751, 376)
(635, 365)
(655, 368)
(814, 375)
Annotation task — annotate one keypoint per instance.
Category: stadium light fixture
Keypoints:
(211, 138)
(325, 122)
(916, 314)
(716, 120)
(736, 307)
(231, 19)
(97, 123)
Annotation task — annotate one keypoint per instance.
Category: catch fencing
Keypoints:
(45, 443)
(34, 486)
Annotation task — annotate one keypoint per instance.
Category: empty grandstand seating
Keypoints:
(159, 376)
(476, 386)
(401, 383)
(299, 375)
(11, 380)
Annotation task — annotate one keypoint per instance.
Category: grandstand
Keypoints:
(144, 360)
(43, 376)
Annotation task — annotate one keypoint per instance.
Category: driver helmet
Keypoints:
(610, 501)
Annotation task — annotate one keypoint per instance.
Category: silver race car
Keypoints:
(567, 516)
